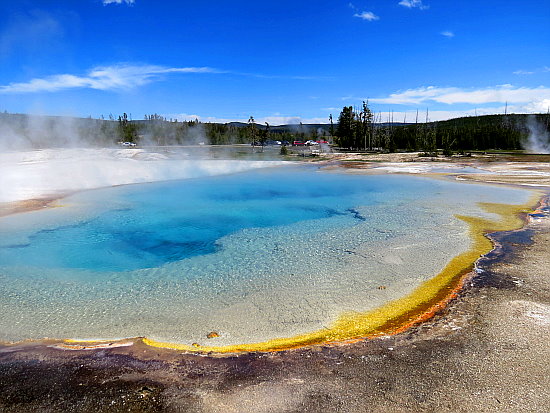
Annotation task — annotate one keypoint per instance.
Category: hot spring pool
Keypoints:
(254, 256)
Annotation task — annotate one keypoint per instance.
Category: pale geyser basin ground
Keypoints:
(254, 256)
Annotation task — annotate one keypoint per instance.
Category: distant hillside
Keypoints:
(475, 121)
(510, 132)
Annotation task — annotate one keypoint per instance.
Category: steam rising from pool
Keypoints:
(50, 172)
(538, 140)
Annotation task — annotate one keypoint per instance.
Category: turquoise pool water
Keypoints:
(255, 255)
(150, 225)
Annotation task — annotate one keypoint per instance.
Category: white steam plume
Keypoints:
(23, 132)
(44, 156)
(54, 172)
(539, 139)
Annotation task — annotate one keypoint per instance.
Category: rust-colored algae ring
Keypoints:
(397, 315)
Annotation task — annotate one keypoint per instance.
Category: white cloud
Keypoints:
(437, 115)
(537, 106)
(122, 76)
(454, 95)
(273, 120)
(181, 117)
(102, 78)
(411, 4)
(367, 15)
(448, 33)
(409, 116)
(118, 1)
(291, 120)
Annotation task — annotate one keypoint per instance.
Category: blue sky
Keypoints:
(280, 61)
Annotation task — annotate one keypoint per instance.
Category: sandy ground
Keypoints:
(488, 351)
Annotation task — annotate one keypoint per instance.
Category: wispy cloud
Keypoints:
(118, 1)
(30, 33)
(102, 78)
(448, 33)
(289, 77)
(413, 4)
(532, 72)
(367, 15)
(124, 77)
(454, 95)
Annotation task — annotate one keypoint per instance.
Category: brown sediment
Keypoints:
(17, 207)
(510, 169)
(92, 345)
(530, 180)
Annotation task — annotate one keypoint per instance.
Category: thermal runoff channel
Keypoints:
(255, 256)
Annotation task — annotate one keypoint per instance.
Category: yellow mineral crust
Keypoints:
(399, 314)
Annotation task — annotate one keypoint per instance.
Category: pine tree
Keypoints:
(345, 127)
(252, 130)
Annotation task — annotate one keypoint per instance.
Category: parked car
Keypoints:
(297, 143)
(310, 143)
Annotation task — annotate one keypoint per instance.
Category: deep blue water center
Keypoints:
(146, 226)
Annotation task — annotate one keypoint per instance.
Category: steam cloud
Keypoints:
(26, 132)
(50, 156)
(22, 132)
(539, 139)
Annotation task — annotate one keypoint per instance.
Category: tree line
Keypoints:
(157, 130)
(355, 129)
(360, 129)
